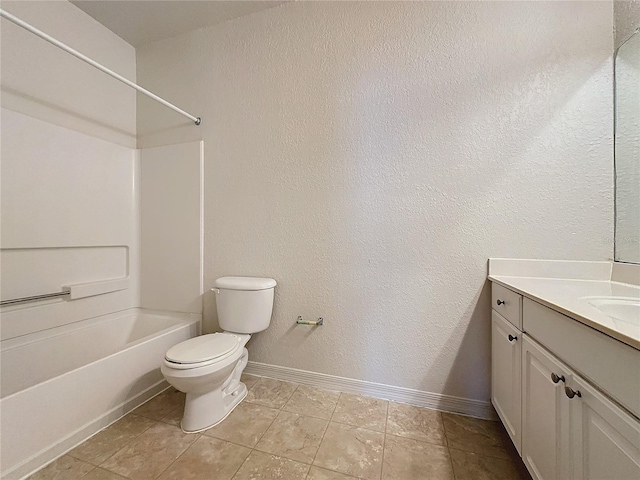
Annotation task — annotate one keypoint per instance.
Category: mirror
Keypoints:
(627, 150)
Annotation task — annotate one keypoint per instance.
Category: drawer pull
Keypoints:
(512, 338)
(570, 392)
(500, 302)
(555, 378)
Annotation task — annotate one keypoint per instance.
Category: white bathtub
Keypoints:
(62, 385)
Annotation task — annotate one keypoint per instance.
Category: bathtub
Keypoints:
(62, 385)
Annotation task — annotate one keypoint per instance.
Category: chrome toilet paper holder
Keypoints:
(314, 323)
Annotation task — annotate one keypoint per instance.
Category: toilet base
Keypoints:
(213, 391)
(199, 414)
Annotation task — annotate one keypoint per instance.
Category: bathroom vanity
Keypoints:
(566, 366)
(565, 335)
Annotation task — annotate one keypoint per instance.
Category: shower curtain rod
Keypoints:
(93, 63)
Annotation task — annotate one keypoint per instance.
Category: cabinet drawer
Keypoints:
(507, 303)
(611, 365)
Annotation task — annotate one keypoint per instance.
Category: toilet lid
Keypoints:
(203, 348)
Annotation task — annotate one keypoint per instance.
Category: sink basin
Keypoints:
(620, 309)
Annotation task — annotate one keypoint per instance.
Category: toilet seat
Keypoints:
(202, 351)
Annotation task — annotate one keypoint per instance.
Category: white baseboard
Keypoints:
(419, 398)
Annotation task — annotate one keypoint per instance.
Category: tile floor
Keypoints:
(294, 432)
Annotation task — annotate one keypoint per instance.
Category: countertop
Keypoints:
(567, 296)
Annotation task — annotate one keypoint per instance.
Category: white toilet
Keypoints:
(208, 368)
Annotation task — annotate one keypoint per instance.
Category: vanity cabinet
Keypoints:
(564, 426)
(608, 363)
(545, 423)
(604, 441)
(506, 355)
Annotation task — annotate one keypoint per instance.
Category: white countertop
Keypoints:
(567, 296)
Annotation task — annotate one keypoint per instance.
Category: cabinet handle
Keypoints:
(500, 302)
(512, 338)
(570, 392)
(555, 378)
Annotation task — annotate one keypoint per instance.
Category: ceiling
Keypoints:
(143, 21)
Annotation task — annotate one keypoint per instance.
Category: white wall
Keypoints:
(69, 199)
(372, 156)
(171, 226)
(44, 82)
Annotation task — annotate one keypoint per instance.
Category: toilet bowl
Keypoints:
(210, 377)
(208, 368)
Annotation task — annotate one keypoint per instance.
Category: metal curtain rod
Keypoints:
(93, 63)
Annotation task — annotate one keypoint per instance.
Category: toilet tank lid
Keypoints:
(245, 283)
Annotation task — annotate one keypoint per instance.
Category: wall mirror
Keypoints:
(627, 150)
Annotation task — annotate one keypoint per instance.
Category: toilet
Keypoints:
(208, 368)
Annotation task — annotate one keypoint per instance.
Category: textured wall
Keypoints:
(372, 156)
(626, 19)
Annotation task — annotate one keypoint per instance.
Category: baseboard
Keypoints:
(419, 398)
(55, 451)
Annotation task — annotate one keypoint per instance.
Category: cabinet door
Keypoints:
(544, 410)
(604, 440)
(506, 357)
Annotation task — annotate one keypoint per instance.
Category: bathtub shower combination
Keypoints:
(77, 379)
(69, 371)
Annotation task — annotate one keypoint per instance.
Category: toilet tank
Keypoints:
(244, 304)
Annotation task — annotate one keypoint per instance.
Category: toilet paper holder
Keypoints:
(315, 323)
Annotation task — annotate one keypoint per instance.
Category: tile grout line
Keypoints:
(325, 431)
(481, 454)
(462, 449)
(281, 408)
(181, 453)
(446, 439)
(243, 462)
(357, 426)
(310, 465)
(198, 436)
(323, 435)
(274, 419)
(353, 426)
(335, 408)
(128, 443)
(241, 465)
(299, 415)
(251, 450)
(105, 429)
(402, 437)
(227, 441)
(384, 438)
(83, 476)
(254, 449)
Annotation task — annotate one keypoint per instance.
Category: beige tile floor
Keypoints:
(294, 432)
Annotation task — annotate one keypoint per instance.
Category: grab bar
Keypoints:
(34, 298)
